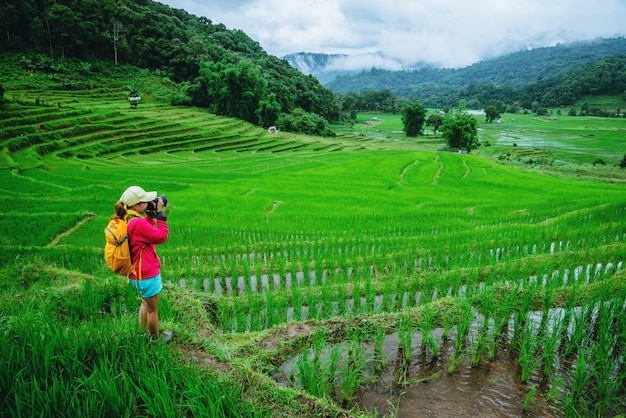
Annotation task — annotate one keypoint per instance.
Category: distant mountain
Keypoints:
(318, 65)
(327, 67)
(512, 70)
(341, 73)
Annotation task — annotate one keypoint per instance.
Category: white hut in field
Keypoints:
(272, 130)
(134, 100)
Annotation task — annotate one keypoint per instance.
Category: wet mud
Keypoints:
(424, 388)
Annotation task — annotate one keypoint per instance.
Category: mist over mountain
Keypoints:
(326, 67)
(344, 73)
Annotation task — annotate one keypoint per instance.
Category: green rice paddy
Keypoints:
(290, 249)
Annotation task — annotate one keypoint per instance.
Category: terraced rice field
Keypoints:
(331, 277)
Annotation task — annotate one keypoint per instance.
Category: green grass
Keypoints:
(370, 213)
(567, 139)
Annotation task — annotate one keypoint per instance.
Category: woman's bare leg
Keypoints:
(148, 315)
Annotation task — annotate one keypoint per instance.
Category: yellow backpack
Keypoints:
(117, 247)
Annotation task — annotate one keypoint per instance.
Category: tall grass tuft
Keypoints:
(103, 369)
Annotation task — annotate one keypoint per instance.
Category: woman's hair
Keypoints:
(120, 211)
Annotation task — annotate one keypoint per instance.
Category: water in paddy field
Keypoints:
(491, 389)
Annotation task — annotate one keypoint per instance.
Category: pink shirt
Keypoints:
(143, 231)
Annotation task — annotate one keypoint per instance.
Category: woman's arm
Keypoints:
(144, 230)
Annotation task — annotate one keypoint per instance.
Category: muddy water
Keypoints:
(492, 389)
(425, 389)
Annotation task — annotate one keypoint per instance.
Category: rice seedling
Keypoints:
(463, 329)
(576, 331)
(577, 398)
(479, 341)
(405, 339)
(606, 388)
(532, 390)
(352, 371)
(428, 340)
(528, 357)
(455, 359)
(317, 370)
(380, 357)
(496, 332)
(395, 406)
(551, 339)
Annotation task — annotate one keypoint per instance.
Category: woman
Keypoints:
(144, 233)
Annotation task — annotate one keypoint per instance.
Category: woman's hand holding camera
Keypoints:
(155, 207)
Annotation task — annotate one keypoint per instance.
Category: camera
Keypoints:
(152, 206)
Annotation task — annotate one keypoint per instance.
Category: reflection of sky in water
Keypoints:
(528, 141)
(577, 145)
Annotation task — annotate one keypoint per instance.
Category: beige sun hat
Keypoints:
(134, 195)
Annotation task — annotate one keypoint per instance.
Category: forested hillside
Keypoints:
(514, 77)
(216, 67)
(228, 73)
(606, 76)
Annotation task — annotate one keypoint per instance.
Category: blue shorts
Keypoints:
(148, 287)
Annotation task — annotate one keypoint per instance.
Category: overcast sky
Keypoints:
(448, 33)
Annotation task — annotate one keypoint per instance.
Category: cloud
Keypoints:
(394, 33)
(357, 62)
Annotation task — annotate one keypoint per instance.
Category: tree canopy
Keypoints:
(460, 131)
(435, 120)
(189, 50)
(493, 110)
(413, 117)
(234, 89)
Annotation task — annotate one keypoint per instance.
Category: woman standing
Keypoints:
(147, 227)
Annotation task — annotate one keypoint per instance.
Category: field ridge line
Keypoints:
(439, 172)
(86, 218)
(468, 171)
(406, 169)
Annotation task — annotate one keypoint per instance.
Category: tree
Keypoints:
(493, 110)
(491, 114)
(413, 117)
(435, 120)
(117, 31)
(8, 17)
(534, 106)
(460, 131)
(300, 121)
(268, 111)
(622, 163)
(462, 105)
(65, 23)
(234, 89)
(2, 99)
(349, 104)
